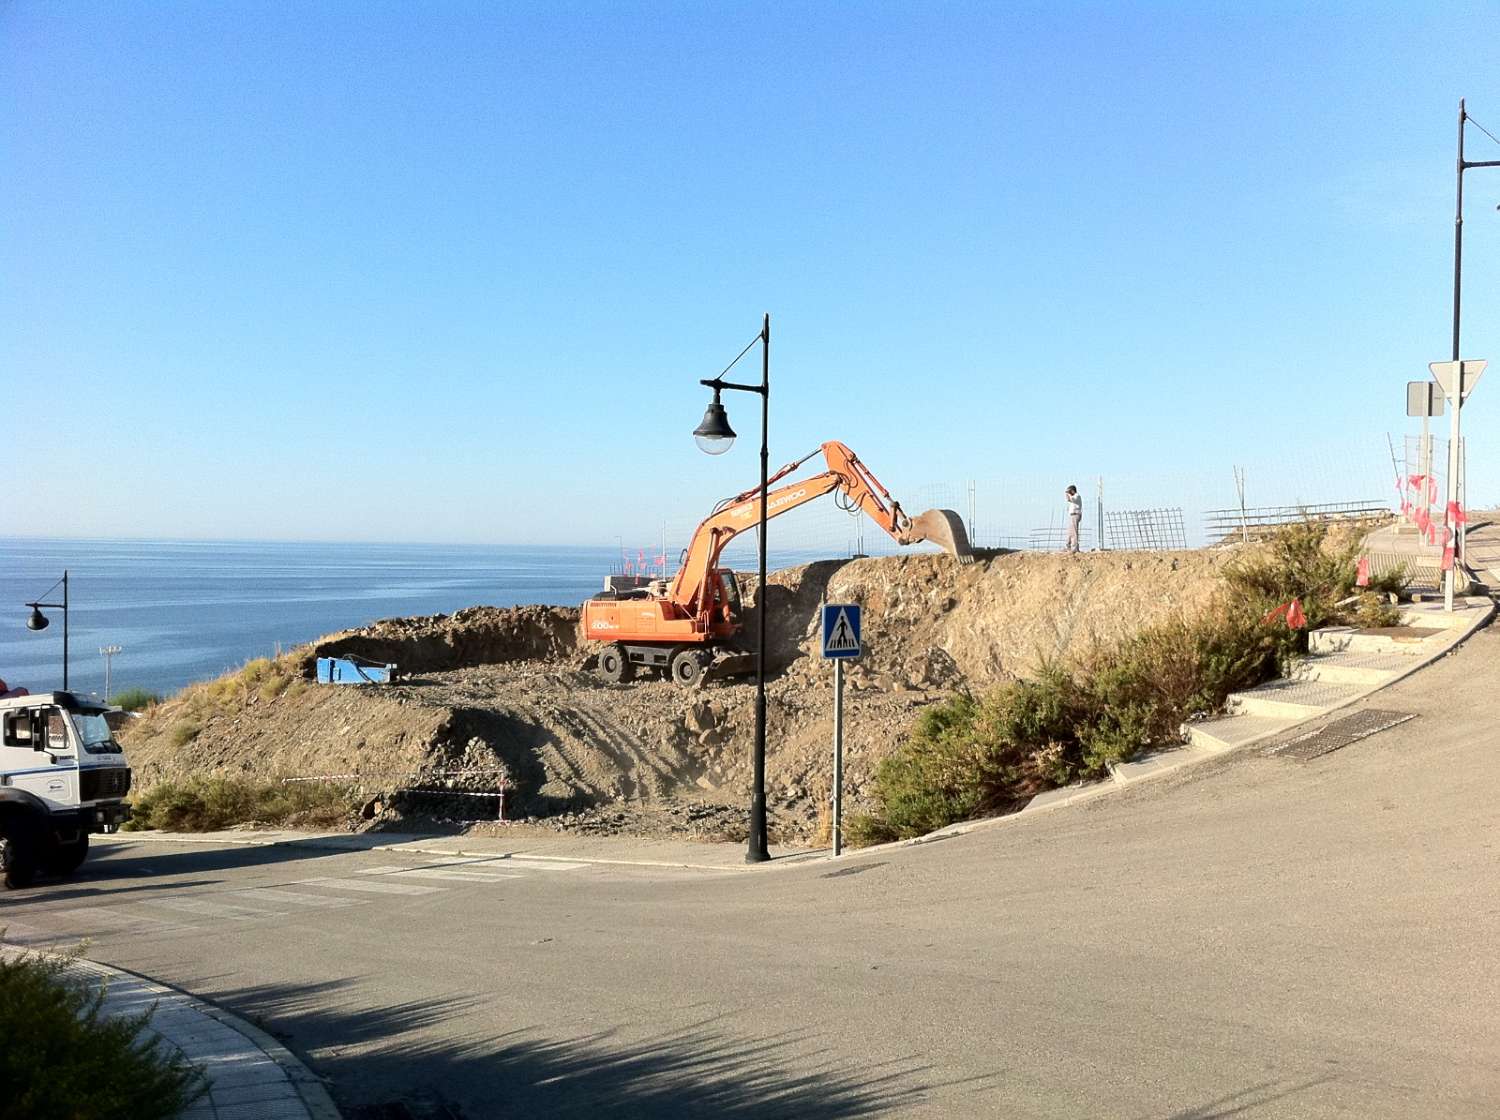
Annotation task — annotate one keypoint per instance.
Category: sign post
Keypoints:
(1457, 380)
(841, 640)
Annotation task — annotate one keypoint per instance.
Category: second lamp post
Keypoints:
(714, 436)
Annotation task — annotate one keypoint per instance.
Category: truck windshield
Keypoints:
(94, 733)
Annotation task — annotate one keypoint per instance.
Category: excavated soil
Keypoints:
(487, 690)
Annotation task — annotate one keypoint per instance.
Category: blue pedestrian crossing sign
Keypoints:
(840, 630)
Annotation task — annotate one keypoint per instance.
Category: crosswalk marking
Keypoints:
(176, 914)
(536, 864)
(371, 886)
(214, 909)
(454, 873)
(294, 898)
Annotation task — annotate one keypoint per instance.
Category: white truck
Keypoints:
(62, 777)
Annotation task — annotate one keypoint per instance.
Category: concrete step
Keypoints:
(1228, 732)
(1465, 610)
(1351, 667)
(1395, 639)
(1291, 699)
(1150, 765)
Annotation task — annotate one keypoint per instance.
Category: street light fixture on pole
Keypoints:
(714, 436)
(39, 621)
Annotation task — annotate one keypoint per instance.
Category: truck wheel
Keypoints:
(64, 859)
(614, 666)
(687, 667)
(18, 851)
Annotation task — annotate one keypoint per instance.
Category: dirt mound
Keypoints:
(503, 691)
(473, 636)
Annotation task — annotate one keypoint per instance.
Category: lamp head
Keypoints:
(37, 621)
(714, 435)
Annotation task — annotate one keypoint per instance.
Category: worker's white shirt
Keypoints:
(1075, 506)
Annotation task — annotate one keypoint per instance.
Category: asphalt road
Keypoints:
(1257, 938)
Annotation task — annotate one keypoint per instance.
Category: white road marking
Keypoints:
(104, 920)
(446, 873)
(215, 909)
(532, 863)
(371, 887)
(294, 898)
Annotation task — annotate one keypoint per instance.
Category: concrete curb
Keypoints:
(249, 1073)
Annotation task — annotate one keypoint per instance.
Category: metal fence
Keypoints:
(1145, 529)
(1025, 510)
(1253, 523)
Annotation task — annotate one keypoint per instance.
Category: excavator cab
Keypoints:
(729, 592)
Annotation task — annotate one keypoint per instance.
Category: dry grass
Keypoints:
(209, 804)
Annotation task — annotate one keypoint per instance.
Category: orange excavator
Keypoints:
(688, 626)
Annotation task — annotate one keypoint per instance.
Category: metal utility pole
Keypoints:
(1456, 398)
(109, 653)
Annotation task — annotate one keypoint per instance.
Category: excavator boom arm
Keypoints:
(846, 473)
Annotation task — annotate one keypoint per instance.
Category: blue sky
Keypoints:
(451, 272)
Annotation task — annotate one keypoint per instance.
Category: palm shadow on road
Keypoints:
(390, 1064)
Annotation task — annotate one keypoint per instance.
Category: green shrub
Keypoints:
(62, 1058)
(970, 757)
(208, 804)
(184, 732)
(134, 699)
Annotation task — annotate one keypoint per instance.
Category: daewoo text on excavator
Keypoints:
(687, 626)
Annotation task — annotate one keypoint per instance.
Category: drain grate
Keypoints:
(1339, 733)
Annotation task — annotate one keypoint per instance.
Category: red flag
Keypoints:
(627, 567)
(1279, 612)
(1294, 616)
(1448, 559)
(1362, 572)
(1423, 520)
(1456, 514)
(640, 557)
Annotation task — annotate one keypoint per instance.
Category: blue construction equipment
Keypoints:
(353, 670)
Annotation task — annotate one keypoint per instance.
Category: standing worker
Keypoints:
(1075, 517)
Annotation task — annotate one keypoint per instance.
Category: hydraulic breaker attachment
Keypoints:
(945, 529)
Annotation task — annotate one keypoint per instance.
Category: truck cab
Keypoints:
(62, 778)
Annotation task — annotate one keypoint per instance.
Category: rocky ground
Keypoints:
(487, 692)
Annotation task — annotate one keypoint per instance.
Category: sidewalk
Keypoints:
(1402, 544)
(624, 851)
(250, 1075)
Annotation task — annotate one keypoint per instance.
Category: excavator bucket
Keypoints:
(945, 529)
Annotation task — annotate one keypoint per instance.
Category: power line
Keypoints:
(1477, 125)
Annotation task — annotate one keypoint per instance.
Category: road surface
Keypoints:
(1255, 937)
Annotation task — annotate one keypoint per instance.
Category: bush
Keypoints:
(969, 757)
(62, 1058)
(208, 804)
(134, 699)
(184, 732)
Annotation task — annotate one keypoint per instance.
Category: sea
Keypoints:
(185, 611)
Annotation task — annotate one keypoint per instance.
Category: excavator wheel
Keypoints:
(687, 667)
(615, 666)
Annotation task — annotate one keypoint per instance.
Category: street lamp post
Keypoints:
(39, 621)
(1459, 542)
(714, 436)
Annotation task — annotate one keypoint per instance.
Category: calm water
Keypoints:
(183, 611)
